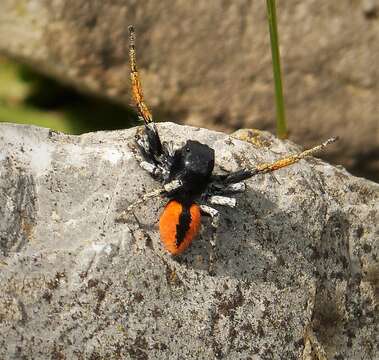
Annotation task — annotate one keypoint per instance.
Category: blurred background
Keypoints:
(64, 65)
(30, 97)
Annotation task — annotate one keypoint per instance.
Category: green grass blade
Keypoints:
(281, 126)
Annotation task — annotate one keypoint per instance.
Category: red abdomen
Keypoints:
(173, 220)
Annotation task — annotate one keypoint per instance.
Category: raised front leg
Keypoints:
(143, 110)
(156, 157)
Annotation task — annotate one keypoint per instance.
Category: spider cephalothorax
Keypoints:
(192, 165)
(186, 175)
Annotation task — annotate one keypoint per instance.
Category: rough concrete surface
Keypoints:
(210, 65)
(296, 274)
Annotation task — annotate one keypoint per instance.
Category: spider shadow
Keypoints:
(255, 240)
(250, 242)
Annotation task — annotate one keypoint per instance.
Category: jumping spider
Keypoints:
(186, 175)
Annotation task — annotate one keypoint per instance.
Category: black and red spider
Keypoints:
(187, 177)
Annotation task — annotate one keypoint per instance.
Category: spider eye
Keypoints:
(187, 149)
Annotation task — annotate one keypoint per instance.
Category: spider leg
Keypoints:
(168, 147)
(214, 214)
(149, 161)
(136, 82)
(235, 188)
(153, 170)
(284, 162)
(166, 189)
(218, 186)
(148, 141)
(240, 175)
(222, 200)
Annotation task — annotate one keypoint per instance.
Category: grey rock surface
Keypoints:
(209, 65)
(296, 274)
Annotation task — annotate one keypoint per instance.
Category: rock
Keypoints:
(210, 65)
(296, 271)
(370, 8)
